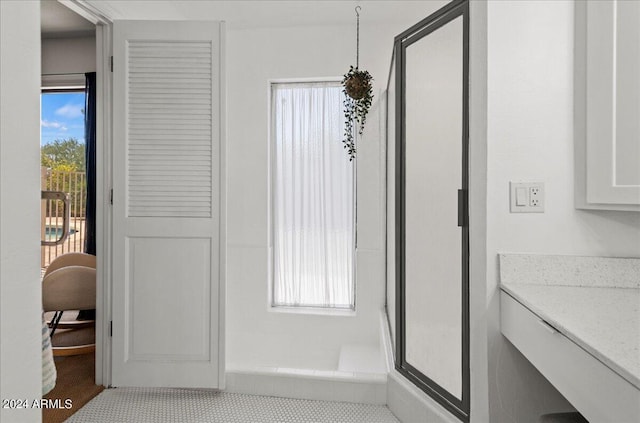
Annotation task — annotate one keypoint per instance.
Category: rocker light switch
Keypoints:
(521, 196)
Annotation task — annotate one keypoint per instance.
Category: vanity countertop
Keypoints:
(604, 321)
(593, 301)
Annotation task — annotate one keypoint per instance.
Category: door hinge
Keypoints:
(111, 328)
(111, 196)
(111, 63)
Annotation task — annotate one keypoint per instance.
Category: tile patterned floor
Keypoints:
(149, 405)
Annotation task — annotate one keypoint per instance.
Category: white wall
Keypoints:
(530, 137)
(65, 55)
(66, 59)
(255, 55)
(20, 300)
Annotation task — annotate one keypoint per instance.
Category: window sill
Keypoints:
(336, 312)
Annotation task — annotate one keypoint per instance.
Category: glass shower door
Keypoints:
(431, 199)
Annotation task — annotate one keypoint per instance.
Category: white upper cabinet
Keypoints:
(607, 105)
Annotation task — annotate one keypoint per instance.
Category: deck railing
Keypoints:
(75, 185)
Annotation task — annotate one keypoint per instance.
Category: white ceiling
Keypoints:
(258, 13)
(59, 21)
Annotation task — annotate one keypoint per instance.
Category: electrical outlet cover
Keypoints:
(532, 201)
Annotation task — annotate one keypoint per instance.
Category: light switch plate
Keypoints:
(526, 197)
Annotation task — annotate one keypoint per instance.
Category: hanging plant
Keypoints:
(357, 102)
(358, 98)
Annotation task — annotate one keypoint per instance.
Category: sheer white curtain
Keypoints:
(313, 198)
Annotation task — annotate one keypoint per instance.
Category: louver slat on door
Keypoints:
(169, 128)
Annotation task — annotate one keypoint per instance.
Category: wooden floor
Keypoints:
(76, 382)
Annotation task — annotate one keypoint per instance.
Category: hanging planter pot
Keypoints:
(358, 98)
(357, 83)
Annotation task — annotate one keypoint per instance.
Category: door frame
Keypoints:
(103, 184)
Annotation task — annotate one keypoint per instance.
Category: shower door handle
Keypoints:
(463, 207)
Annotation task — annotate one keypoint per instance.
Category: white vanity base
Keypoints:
(598, 392)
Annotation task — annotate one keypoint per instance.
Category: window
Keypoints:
(63, 168)
(313, 201)
(62, 116)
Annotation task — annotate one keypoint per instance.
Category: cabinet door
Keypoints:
(608, 48)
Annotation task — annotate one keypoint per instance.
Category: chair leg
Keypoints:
(54, 322)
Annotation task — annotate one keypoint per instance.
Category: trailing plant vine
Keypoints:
(357, 102)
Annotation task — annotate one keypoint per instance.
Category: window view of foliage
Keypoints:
(65, 171)
(65, 155)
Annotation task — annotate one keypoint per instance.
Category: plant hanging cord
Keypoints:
(358, 8)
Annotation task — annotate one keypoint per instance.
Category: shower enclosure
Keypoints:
(428, 229)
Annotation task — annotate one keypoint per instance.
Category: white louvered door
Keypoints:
(166, 204)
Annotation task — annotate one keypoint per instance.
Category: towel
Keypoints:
(48, 366)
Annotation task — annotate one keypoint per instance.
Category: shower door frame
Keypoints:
(460, 407)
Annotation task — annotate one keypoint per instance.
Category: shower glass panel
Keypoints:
(431, 190)
(433, 119)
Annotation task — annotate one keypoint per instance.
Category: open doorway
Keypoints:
(68, 169)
